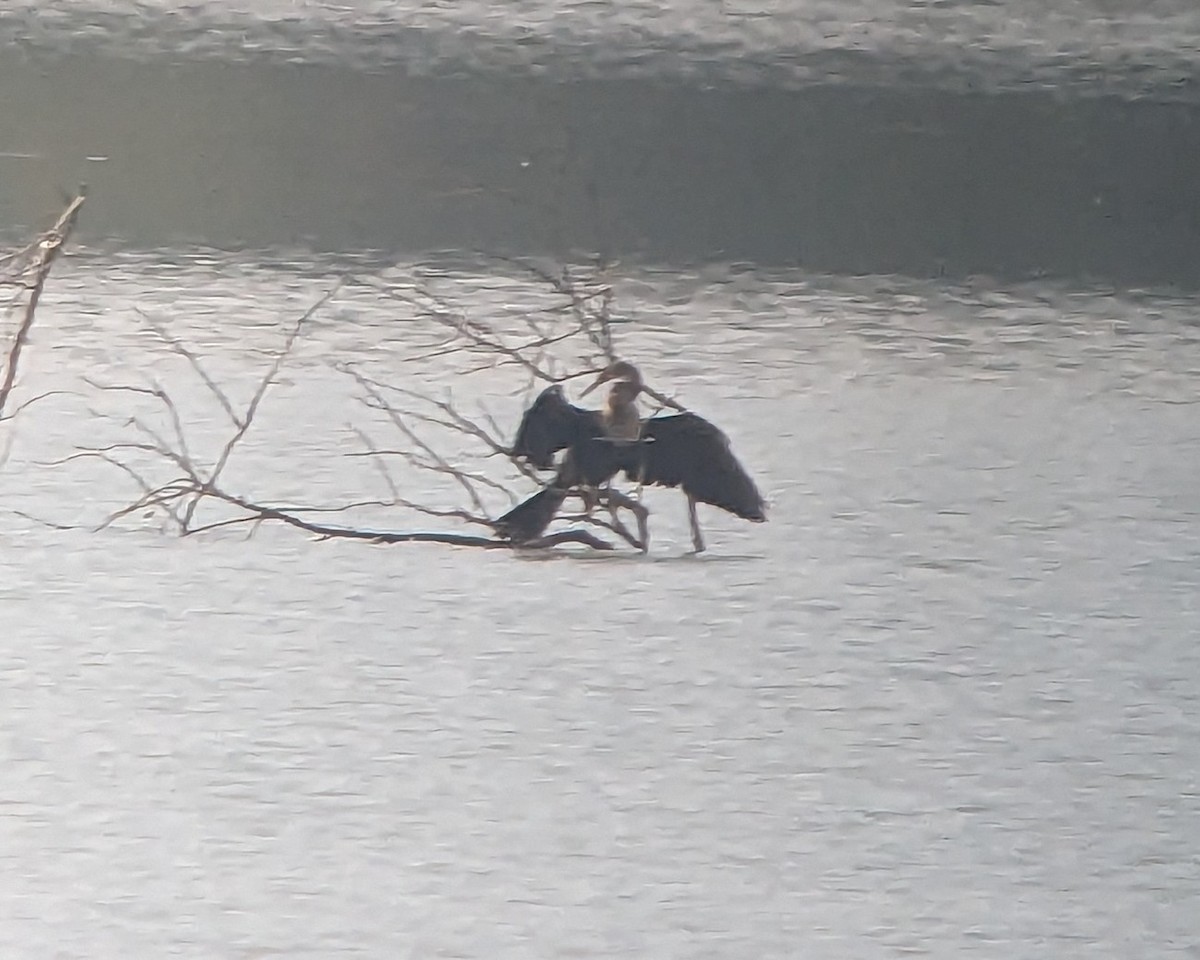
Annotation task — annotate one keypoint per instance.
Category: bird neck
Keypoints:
(621, 417)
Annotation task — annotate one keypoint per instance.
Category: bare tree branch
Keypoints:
(40, 256)
(435, 434)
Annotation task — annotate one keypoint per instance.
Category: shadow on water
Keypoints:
(833, 178)
(622, 555)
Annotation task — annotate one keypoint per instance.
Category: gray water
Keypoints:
(1049, 138)
(944, 703)
(928, 265)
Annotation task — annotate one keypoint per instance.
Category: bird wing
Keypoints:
(549, 425)
(687, 451)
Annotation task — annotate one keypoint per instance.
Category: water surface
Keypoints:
(1017, 139)
(944, 703)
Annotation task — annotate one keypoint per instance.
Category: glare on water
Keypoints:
(943, 703)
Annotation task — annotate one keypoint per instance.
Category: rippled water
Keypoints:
(944, 703)
(1095, 45)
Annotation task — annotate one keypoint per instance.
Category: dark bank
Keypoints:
(832, 178)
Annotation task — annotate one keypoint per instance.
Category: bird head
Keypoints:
(620, 371)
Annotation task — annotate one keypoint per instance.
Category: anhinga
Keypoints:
(681, 450)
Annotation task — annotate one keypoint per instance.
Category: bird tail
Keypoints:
(529, 519)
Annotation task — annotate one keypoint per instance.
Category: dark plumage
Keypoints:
(553, 424)
(682, 450)
(687, 451)
(529, 519)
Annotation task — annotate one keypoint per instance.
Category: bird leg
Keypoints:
(697, 537)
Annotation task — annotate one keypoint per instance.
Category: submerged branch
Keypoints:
(258, 512)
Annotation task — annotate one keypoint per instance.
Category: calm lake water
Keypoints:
(928, 265)
(944, 703)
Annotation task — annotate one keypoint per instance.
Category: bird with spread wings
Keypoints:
(679, 450)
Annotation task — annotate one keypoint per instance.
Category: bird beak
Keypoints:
(604, 377)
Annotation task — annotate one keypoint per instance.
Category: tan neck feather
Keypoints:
(621, 418)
